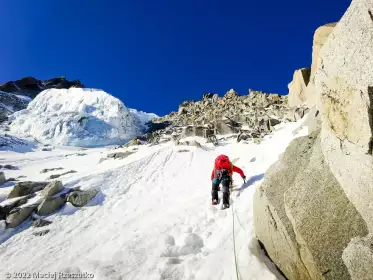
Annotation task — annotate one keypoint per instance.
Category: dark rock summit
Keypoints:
(30, 86)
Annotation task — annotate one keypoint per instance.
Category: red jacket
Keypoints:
(231, 170)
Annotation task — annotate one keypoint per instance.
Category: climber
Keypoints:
(222, 173)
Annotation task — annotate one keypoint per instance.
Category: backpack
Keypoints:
(223, 162)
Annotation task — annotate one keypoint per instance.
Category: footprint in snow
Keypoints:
(191, 245)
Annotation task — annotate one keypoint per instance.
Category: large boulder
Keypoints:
(50, 205)
(19, 215)
(25, 188)
(320, 38)
(81, 198)
(52, 188)
(358, 257)
(303, 217)
(10, 204)
(297, 88)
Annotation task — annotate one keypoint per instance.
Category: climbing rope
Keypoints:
(234, 245)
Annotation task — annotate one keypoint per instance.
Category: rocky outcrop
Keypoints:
(315, 204)
(18, 207)
(55, 176)
(42, 232)
(9, 167)
(46, 170)
(297, 88)
(81, 198)
(40, 223)
(117, 155)
(25, 188)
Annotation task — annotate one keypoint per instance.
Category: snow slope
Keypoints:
(77, 117)
(153, 218)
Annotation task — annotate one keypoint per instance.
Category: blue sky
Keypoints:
(153, 55)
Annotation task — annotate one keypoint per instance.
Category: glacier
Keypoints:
(78, 117)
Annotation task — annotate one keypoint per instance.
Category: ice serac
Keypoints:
(76, 117)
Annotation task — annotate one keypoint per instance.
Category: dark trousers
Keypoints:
(226, 182)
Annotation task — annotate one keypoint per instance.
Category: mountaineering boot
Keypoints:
(224, 206)
(215, 202)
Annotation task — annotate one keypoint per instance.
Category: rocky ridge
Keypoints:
(247, 117)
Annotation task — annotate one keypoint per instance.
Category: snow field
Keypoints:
(153, 218)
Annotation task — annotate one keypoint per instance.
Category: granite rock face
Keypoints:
(313, 212)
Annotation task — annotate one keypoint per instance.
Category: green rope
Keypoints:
(234, 246)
